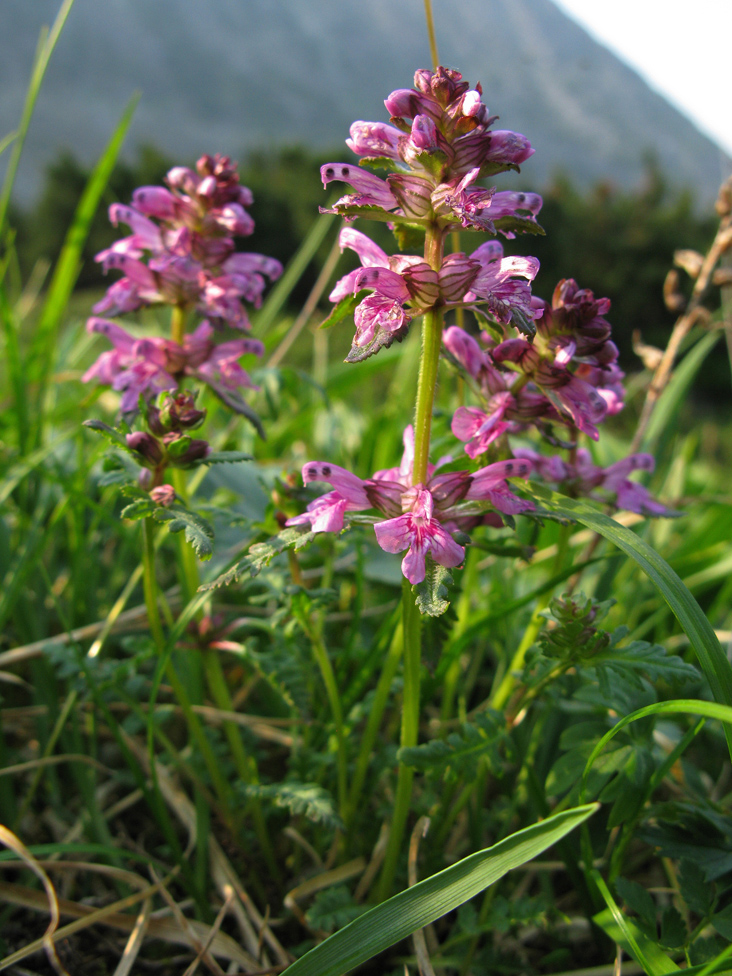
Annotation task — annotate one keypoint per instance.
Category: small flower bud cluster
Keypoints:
(167, 443)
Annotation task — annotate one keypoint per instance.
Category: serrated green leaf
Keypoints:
(235, 402)
(702, 637)
(140, 508)
(308, 800)
(198, 532)
(224, 457)
(409, 237)
(722, 922)
(673, 929)
(518, 225)
(343, 310)
(377, 162)
(638, 900)
(423, 903)
(640, 658)
(462, 750)
(111, 433)
(432, 591)
(383, 338)
(695, 889)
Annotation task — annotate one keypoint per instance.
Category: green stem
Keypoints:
(334, 699)
(381, 698)
(156, 629)
(412, 624)
(149, 584)
(431, 345)
(178, 324)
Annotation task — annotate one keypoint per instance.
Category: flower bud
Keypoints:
(146, 446)
(163, 495)
(178, 412)
(184, 450)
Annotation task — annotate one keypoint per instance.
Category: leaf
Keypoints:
(673, 929)
(110, 433)
(432, 591)
(412, 909)
(695, 889)
(638, 658)
(224, 457)
(461, 751)
(722, 922)
(382, 339)
(261, 554)
(712, 658)
(140, 508)
(518, 225)
(308, 800)
(332, 909)
(234, 401)
(635, 942)
(199, 532)
(343, 310)
(638, 900)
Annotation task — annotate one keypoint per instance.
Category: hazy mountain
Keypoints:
(233, 75)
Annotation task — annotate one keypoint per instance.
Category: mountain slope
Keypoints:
(239, 74)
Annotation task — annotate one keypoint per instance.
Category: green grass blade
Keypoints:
(624, 933)
(687, 611)
(676, 391)
(294, 271)
(69, 262)
(45, 49)
(427, 901)
(679, 706)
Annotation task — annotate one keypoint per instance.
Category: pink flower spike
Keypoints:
(420, 533)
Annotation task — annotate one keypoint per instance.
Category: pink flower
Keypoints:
(418, 532)
(148, 366)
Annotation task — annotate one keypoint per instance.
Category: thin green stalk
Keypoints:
(412, 624)
(381, 698)
(331, 689)
(178, 324)
(245, 764)
(149, 584)
(156, 629)
(431, 33)
(431, 345)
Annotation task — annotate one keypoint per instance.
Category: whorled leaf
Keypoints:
(432, 592)
(307, 800)
(224, 457)
(461, 751)
(261, 554)
(198, 532)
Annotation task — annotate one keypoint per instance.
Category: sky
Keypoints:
(681, 48)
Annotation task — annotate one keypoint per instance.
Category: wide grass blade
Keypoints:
(69, 262)
(421, 904)
(625, 933)
(47, 43)
(687, 611)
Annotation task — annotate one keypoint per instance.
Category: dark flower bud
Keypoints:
(146, 446)
(179, 412)
(184, 450)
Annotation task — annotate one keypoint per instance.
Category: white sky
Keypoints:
(682, 48)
